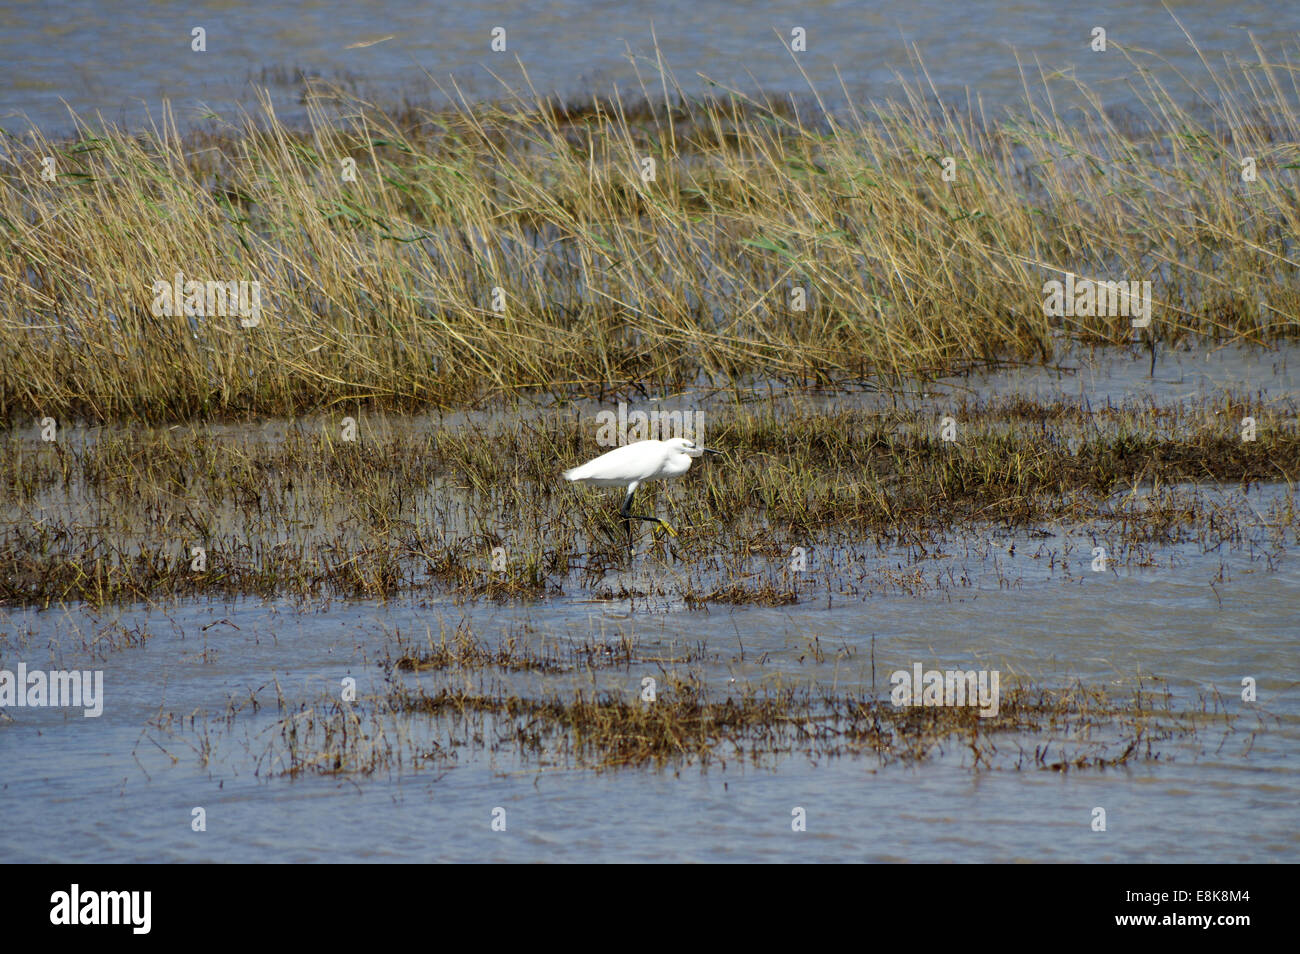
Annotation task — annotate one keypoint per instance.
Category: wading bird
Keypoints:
(632, 465)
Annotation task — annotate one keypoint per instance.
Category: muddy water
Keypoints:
(192, 714)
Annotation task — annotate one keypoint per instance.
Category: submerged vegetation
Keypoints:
(476, 508)
(522, 247)
(410, 725)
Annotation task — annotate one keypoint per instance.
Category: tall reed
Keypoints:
(381, 289)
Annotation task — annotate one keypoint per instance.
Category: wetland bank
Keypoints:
(338, 592)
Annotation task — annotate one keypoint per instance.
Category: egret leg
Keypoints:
(627, 525)
(628, 517)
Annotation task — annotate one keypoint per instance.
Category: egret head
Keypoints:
(688, 447)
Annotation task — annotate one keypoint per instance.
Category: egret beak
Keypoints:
(710, 450)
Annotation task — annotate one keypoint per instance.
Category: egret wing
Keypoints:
(622, 465)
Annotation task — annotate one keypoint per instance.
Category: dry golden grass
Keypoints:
(380, 290)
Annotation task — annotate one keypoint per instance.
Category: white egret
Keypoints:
(632, 465)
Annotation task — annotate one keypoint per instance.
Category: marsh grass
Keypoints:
(520, 651)
(113, 515)
(378, 292)
(521, 699)
(1037, 728)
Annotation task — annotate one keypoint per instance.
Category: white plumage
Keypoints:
(633, 464)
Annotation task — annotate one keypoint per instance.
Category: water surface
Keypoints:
(192, 717)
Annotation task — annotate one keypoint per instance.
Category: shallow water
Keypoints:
(180, 729)
(116, 58)
(104, 789)
(192, 718)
